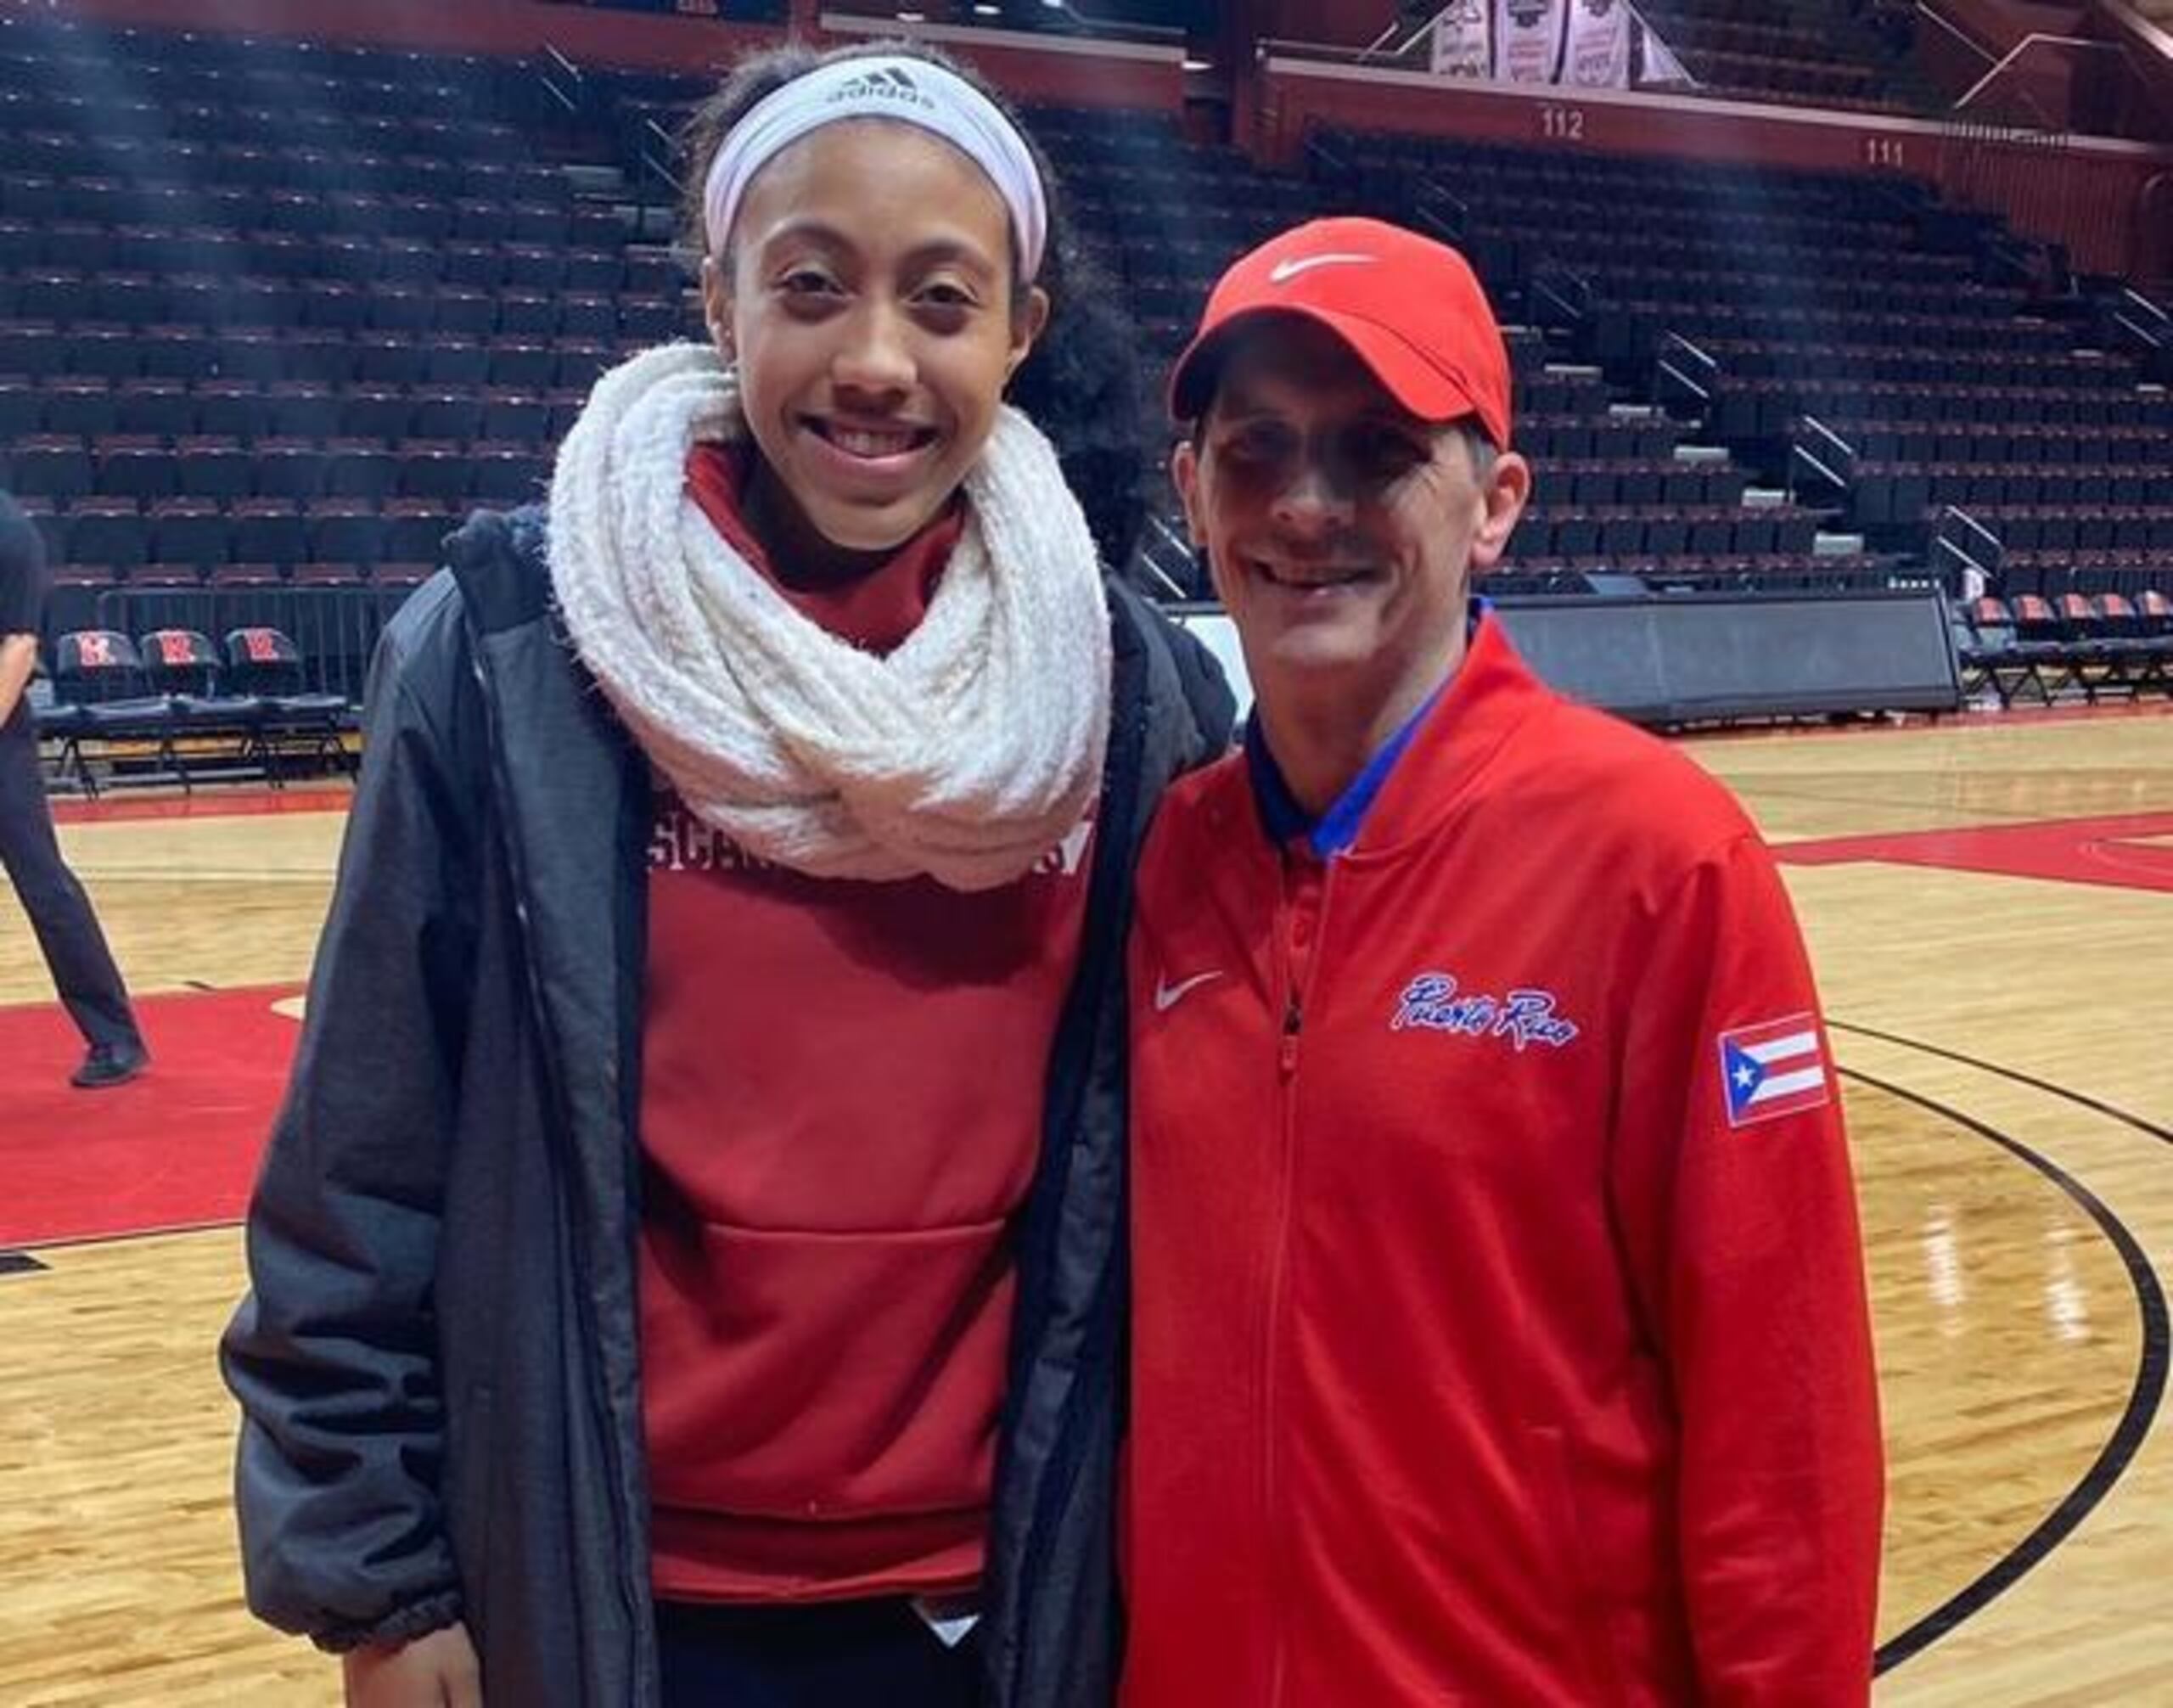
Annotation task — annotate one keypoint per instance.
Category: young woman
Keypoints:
(687, 1267)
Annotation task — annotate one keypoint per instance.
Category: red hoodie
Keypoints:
(841, 1109)
(1501, 1333)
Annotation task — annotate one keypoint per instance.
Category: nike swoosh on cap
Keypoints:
(1284, 271)
(1168, 996)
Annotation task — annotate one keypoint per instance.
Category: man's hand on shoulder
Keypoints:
(436, 1670)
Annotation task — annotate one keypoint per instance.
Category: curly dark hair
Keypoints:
(1080, 385)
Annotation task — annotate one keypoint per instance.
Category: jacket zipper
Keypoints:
(1087, 1008)
(1298, 934)
(606, 1429)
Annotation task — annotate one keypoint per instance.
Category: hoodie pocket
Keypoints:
(812, 1376)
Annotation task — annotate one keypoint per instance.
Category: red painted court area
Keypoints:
(2130, 852)
(175, 1149)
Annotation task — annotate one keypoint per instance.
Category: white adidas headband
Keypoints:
(912, 92)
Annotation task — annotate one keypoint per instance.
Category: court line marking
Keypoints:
(2144, 1397)
(253, 803)
(1964, 722)
(34, 1248)
(1981, 818)
(2112, 1111)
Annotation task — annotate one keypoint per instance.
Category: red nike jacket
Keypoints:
(1501, 1333)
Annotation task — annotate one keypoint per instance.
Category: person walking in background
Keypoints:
(84, 975)
(686, 1268)
(1500, 1328)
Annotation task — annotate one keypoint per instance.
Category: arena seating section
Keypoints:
(274, 316)
(1834, 56)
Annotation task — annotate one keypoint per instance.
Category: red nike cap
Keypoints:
(1410, 308)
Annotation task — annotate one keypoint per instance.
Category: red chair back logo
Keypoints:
(259, 646)
(177, 649)
(96, 651)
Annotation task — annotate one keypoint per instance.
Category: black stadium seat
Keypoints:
(295, 723)
(182, 666)
(99, 671)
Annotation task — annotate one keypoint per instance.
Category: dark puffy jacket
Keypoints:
(438, 1362)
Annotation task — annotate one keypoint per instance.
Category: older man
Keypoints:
(1500, 1333)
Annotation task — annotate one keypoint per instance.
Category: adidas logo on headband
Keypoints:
(879, 86)
(914, 93)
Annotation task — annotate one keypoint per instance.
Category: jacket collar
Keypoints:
(1489, 699)
(1423, 773)
(1283, 816)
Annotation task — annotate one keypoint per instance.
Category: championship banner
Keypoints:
(1599, 44)
(1529, 34)
(1463, 44)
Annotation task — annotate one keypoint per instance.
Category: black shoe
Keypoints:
(109, 1065)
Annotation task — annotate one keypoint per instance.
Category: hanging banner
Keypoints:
(1463, 40)
(1599, 44)
(1528, 39)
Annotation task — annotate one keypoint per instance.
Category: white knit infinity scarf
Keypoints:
(967, 753)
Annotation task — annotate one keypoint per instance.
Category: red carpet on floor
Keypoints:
(177, 1148)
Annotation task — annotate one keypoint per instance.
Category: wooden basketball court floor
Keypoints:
(1989, 907)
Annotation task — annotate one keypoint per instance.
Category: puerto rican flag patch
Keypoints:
(1775, 1069)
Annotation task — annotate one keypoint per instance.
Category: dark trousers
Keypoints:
(846, 1655)
(67, 929)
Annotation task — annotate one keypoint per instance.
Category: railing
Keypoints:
(655, 149)
(1268, 47)
(1984, 541)
(1447, 213)
(1319, 156)
(659, 150)
(1378, 48)
(1979, 53)
(1565, 291)
(1164, 542)
(1998, 66)
(1955, 30)
(1689, 367)
(1829, 456)
(2023, 50)
(1110, 28)
(562, 79)
(2138, 314)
